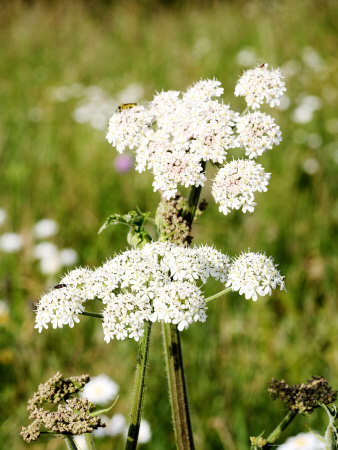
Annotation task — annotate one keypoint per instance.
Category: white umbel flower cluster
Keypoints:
(176, 133)
(261, 85)
(155, 283)
(235, 184)
(258, 132)
(254, 274)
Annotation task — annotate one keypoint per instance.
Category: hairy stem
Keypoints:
(177, 387)
(139, 385)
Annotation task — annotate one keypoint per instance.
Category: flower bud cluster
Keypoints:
(72, 416)
(160, 282)
(177, 133)
(303, 398)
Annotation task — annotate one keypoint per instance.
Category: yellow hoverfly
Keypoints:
(124, 106)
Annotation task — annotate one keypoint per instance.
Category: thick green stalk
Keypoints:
(70, 443)
(177, 387)
(174, 358)
(138, 394)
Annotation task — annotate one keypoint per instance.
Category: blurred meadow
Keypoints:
(64, 68)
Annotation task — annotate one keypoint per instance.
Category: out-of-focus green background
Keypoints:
(64, 66)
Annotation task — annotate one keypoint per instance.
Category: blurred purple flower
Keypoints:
(123, 163)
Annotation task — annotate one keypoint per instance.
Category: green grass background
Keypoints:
(61, 169)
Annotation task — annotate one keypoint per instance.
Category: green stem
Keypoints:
(89, 441)
(70, 443)
(193, 199)
(275, 435)
(91, 314)
(177, 387)
(139, 385)
(219, 294)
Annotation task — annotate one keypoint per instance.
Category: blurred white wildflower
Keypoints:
(45, 228)
(3, 216)
(44, 250)
(258, 132)
(311, 166)
(303, 441)
(100, 390)
(307, 106)
(4, 312)
(65, 93)
(133, 92)
(145, 432)
(50, 265)
(246, 57)
(261, 85)
(254, 274)
(11, 242)
(235, 184)
(116, 425)
(68, 256)
(175, 133)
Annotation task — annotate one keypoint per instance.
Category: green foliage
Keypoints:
(52, 166)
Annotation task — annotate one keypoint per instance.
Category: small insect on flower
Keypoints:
(262, 65)
(59, 286)
(124, 106)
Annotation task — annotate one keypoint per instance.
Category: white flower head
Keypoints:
(258, 132)
(160, 282)
(261, 85)
(100, 390)
(254, 274)
(45, 228)
(175, 133)
(11, 242)
(236, 183)
(303, 441)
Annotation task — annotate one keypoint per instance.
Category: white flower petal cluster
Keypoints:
(254, 274)
(258, 132)
(155, 283)
(305, 441)
(176, 133)
(62, 306)
(235, 184)
(261, 85)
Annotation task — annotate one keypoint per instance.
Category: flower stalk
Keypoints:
(219, 294)
(139, 385)
(177, 387)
